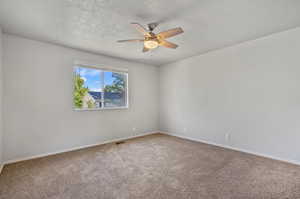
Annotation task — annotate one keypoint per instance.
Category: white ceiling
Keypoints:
(95, 25)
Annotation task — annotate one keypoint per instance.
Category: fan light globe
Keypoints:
(151, 44)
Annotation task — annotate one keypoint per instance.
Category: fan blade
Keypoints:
(130, 40)
(145, 49)
(167, 44)
(141, 29)
(170, 33)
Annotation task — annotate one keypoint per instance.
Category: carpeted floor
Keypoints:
(151, 167)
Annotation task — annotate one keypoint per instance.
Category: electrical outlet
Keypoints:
(227, 137)
(134, 132)
(184, 129)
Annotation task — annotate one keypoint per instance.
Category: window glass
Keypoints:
(98, 89)
(114, 89)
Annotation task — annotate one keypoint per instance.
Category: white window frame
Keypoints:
(104, 69)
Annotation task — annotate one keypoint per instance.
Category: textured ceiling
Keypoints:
(95, 25)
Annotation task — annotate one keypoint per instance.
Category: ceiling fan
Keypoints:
(152, 40)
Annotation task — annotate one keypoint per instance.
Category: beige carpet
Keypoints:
(151, 167)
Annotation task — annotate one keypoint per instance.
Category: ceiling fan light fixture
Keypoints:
(151, 44)
(152, 40)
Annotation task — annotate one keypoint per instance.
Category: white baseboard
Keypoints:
(77, 148)
(149, 133)
(234, 148)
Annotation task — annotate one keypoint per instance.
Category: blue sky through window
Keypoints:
(108, 78)
(92, 78)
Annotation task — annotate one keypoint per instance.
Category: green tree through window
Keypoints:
(118, 84)
(79, 91)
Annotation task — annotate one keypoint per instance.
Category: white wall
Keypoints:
(251, 91)
(1, 123)
(38, 100)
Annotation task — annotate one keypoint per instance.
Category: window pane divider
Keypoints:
(102, 88)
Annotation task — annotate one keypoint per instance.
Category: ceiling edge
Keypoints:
(234, 44)
(77, 48)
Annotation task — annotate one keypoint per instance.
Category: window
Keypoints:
(96, 88)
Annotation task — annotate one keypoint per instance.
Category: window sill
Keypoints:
(101, 109)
